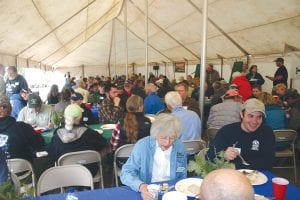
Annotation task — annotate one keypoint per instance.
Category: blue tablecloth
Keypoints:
(125, 193)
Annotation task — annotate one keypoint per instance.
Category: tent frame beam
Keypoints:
(144, 41)
(168, 34)
(86, 39)
(221, 30)
(53, 30)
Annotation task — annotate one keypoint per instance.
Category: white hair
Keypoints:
(165, 124)
(173, 99)
(236, 74)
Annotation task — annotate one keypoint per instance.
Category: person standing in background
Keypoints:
(2, 82)
(254, 77)
(211, 76)
(281, 74)
(15, 82)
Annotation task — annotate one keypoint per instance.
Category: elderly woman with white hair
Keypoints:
(159, 157)
(74, 136)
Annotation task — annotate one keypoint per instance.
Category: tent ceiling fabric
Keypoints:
(82, 32)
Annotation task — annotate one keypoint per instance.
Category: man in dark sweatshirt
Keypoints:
(251, 138)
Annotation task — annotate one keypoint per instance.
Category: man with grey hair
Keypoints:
(191, 124)
(2, 82)
(226, 184)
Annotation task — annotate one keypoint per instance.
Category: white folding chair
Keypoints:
(22, 169)
(84, 158)
(194, 146)
(16, 182)
(211, 133)
(289, 136)
(64, 176)
(122, 152)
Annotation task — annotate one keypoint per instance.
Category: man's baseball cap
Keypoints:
(76, 96)
(253, 105)
(279, 60)
(34, 101)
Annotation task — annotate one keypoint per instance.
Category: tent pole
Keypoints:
(165, 68)
(149, 45)
(115, 51)
(82, 67)
(203, 60)
(146, 44)
(187, 67)
(222, 63)
(125, 35)
(110, 47)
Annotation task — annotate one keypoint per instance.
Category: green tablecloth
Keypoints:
(47, 135)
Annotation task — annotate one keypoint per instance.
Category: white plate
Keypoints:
(259, 197)
(99, 131)
(255, 177)
(151, 117)
(189, 186)
(174, 195)
(108, 126)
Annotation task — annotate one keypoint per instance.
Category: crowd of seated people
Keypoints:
(125, 102)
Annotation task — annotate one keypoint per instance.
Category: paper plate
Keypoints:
(255, 177)
(108, 126)
(189, 186)
(99, 131)
(174, 195)
(151, 117)
(260, 197)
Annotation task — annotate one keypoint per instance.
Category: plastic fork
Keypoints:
(243, 161)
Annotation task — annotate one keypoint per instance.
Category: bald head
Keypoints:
(226, 184)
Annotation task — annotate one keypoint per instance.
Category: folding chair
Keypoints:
(211, 133)
(122, 152)
(64, 176)
(16, 182)
(22, 169)
(84, 158)
(202, 153)
(289, 136)
(193, 147)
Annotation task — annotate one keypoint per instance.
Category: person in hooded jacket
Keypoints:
(74, 136)
(22, 142)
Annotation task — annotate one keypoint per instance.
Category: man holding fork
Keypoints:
(249, 143)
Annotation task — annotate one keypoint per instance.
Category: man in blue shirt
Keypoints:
(190, 121)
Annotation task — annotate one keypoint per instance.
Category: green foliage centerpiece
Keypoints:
(57, 118)
(202, 167)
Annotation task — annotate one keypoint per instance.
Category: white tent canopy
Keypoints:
(72, 33)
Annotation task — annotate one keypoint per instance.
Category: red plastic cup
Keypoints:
(276, 98)
(279, 188)
(88, 105)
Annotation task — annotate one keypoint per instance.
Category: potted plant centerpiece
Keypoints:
(202, 166)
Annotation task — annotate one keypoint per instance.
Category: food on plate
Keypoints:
(255, 177)
(190, 186)
(260, 197)
(252, 175)
(193, 189)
